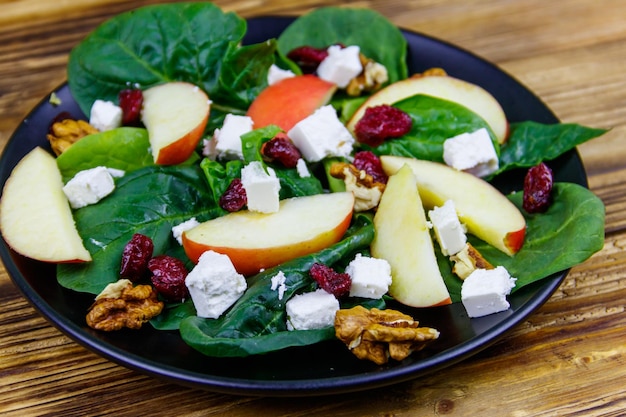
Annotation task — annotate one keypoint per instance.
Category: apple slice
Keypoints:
(486, 212)
(35, 216)
(403, 239)
(444, 87)
(253, 241)
(290, 100)
(175, 115)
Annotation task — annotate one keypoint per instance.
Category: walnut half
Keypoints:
(67, 132)
(378, 335)
(124, 306)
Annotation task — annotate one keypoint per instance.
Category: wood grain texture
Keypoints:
(568, 358)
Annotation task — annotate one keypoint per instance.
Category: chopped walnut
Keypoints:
(431, 72)
(122, 305)
(373, 76)
(467, 261)
(67, 132)
(378, 335)
(366, 190)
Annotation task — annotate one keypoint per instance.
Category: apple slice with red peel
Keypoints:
(469, 95)
(486, 212)
(175, 115)
(290, 100)
(403, 239)
(35, 216)
(253, 241)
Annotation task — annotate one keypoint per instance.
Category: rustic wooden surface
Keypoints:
(569, 358)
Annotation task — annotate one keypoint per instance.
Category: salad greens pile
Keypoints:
(198, 43)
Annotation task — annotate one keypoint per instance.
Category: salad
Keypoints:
(199, 44)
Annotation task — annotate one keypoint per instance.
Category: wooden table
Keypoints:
(569, 358)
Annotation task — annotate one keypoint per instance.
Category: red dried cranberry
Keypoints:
(382, 122)
(537, 189)
(168, 277)
(308, 58)
(135, 257)
(234, 198)
(130, 101)
(331, 281)
(283, 150)
(370, 163)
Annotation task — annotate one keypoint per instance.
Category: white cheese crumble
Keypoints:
(448, 229)
(179, 229)
(341, 65)
(277, 74)
(262, 188)
(89, 186)
(322, 134)
(214, 284)
(302, 169)
(484, 291)
(471, 152)
(226, 141)
(278, 284)
(313, 310)
(105, 115)
(371, 277)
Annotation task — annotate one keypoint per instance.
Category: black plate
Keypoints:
(314, 370)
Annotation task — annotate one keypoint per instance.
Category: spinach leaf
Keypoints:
(125, 148)
(149, 201)
(434, 121)
(567, 234)
(530, 143)
(375, 35)
(256, 323)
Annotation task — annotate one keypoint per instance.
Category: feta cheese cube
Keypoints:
(341, 65)
(277, 74)
(371, 277)
(278, 284)
(261, 187)
(471, 152)
(178, 230)
(448, 229)
(214, 285)
(105, 115)
(302, 169)
(313, 310)
(89, 186)
(321, 134)
(226, 142)
(484, 291)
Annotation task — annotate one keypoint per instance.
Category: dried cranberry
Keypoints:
(370, 163)
(537, 189)
(331, 281)
(308, 58)
(168, 277)
(234, 198)
(130, 101)
(382, 122)
(283, 150)
(135, 257)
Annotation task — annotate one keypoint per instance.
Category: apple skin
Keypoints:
(290, 100)
(175, 115)
(254, 241)
(35, 216)
(403, 239)
(486, 212)
(444, 87)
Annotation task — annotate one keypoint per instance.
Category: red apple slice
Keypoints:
(35, 216)
(486, 212)
(253, 241)
(175, 115)
(403, 239)
(290, 100)
(444, 87)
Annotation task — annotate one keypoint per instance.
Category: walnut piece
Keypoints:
(467, 261)
(378, 335)
(67, 132)
(132, 307)
(373, 76)
(366, 190)
(431, 72)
